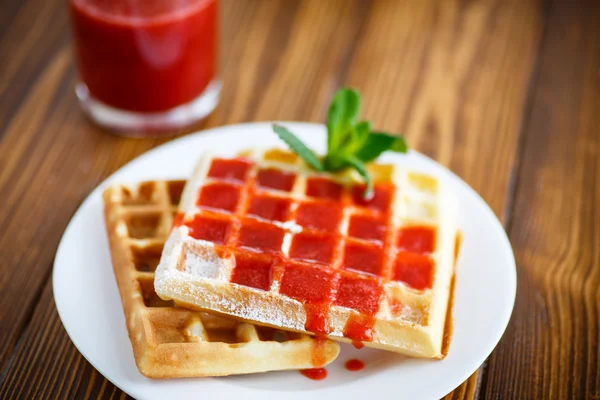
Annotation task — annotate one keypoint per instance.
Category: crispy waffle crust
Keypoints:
(172, 342)
(265, 239)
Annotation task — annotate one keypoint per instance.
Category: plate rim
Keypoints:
(511, 286)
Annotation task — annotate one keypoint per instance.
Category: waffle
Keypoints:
(171, 342)
(265, 239)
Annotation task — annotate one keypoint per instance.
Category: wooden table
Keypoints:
(505, 93)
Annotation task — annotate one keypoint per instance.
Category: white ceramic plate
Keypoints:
(90, 308)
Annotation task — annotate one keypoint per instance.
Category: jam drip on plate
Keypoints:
(354, 365)
(316, 374)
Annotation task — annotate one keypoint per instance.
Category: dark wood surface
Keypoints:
(505, 93)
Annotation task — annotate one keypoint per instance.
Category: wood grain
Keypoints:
(550, 349)
(473, 84)
(65, 373)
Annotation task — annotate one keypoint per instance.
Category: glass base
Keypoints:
(140, 125)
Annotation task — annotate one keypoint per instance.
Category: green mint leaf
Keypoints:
(358, 137)
(341, 118)
(359, 166)
(297, 146)
(377, 143)
(399, 145)
(350, 143)
(335, 162)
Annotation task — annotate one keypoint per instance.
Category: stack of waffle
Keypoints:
(266, 260)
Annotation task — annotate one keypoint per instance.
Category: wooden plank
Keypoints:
(550, 350)
(467, 390)
(31, 32)
(454, 77)
(51, 366)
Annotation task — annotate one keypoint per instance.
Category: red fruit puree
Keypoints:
(145, 56)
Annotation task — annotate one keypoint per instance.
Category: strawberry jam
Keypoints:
(364, 227)
(306, 283)
(359, 294)
(316, 374)
(359, 328)
(381, 200)
(313, 287)
(363, 258)
(252, 271)
(271, 208)
(220, 196)
(276, 179)
(417, 239)
(415, 270)
(354, 365)
(178, 219)
(324, 188)
(261, 236)
(311, 247)
(319, 215)
(235, 169)
(213, 230)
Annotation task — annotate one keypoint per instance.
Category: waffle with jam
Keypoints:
(263, 238)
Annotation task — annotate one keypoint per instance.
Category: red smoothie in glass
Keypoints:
(145, 56)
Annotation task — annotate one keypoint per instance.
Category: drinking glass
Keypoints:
(146, 67)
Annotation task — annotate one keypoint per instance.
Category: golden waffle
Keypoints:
(171, 342)
(265, 239)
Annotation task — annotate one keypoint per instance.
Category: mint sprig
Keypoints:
(350, 142)
(298, 147)
(359, 166)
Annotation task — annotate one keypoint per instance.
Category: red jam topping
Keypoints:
(318, 351)
(324, 188)
(395, 305)
(317, 320)
(415, 270)
(366, 227)
(306, 283)
(311, 247)
(382, 196)
(236, 169)
(178, 220)
(221, 196)
(312, 286)
(211, 229)
(316, 374)
(145, 56)
(276, 179)
(359, 294)
(272, 208)
(319, 215)
(417, 239)
(354, 365)
(261, 236)
(359, 328)
(252, 271)
(363, 258)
